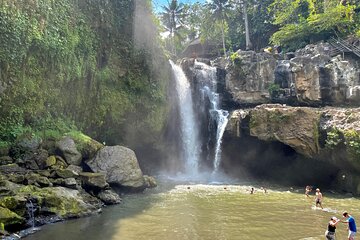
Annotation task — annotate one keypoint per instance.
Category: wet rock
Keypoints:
(93, 181)
(109, 197)
(235, 122)
(68, 150)
(150, 181)
(120, 166)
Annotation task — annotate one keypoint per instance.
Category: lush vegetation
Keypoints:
(67, 65)
(256, 24)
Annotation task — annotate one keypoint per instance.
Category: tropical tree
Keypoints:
(172, 18)
(306, 21)
(220, 10)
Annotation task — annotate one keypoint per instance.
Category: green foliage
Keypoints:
(68, 63)
(352, 141)
(334, 137)
(235, 58)
(350, 138)
(302, 22)
(274, 90)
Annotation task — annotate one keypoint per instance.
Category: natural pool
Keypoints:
(208, 212)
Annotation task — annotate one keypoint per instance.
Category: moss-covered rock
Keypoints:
(16, 178)
(15, 203)
(66, 173)
(85, 145)
(60, 201)
(8, 217)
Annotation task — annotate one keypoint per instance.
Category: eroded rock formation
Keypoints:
(309, 76)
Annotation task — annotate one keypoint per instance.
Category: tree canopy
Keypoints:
(289, 23)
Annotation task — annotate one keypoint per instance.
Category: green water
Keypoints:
(209, 212)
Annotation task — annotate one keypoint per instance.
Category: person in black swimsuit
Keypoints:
(330, 232)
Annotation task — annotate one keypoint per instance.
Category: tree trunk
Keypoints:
(223, 37)
(247, 32)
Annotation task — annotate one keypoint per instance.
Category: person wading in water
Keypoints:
(351, 225)
(318, 198)
(330, 232)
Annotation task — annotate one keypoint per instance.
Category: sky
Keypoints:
(159, 3)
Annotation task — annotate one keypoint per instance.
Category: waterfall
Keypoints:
(208, 78)
(30, 210)
(189, 128)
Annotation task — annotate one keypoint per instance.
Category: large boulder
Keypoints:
(68, 150)
(86, 145)
(120, 166)
(296, 127)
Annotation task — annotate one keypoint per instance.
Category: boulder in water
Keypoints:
(120, 166)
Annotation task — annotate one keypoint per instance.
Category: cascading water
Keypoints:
(207, 76)
(30, 210)
(189, 129)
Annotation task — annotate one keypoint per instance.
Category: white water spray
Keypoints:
(189, 128)
(209, 79)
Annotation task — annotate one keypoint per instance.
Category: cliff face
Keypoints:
(309, 76)
(324, 135)
(310, 138)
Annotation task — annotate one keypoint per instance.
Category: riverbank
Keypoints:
(49, 180)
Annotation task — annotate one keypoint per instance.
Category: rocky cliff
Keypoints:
(309, 76)
(311, 136)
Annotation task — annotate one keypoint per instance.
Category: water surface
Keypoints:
(208, 212)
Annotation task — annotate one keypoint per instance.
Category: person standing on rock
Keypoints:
(318, 198)
(330, 232)
(351, 225)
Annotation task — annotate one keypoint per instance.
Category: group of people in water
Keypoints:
(348, 219)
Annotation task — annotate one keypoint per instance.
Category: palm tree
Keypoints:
(219, 9)
(172, 19)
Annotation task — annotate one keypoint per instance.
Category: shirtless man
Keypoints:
(318, 198)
